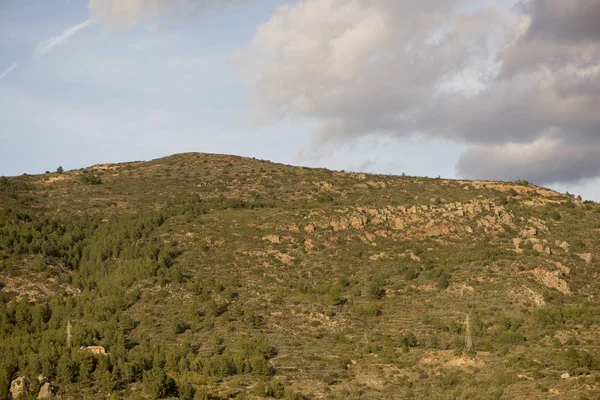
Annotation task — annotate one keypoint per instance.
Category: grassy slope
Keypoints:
(340, 270)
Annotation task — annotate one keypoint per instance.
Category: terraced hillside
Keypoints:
(215, 277)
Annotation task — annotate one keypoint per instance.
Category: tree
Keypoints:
(86, 367)
(65, 369)
(4, 384)
(102, 376)
(157, 384)
(187, 392)
(60, 170)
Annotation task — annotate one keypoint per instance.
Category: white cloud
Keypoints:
(492, 77)
(8, 70)
(48, 45)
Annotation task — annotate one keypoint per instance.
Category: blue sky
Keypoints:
(171, 82)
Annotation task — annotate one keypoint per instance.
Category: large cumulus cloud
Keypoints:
(520, 86)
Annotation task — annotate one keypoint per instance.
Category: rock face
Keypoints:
(47, 391)
(586, 257)
(551, 280)
(418, 216)
(19, 387)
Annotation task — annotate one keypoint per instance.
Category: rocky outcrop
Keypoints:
(517, 243)
(529, 233)
(20, 387)
(376, 185)
(47, 391)
(586, 257)
(275, 239)
(565, 270)
(552, 280)
(486, 215)
(310, 228)
(356, 221)
(541, 248)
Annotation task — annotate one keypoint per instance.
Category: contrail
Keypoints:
(48, 45)
(8, 70)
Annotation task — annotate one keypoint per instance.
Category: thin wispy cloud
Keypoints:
(48, 45)
(8, 70)
(127, 13)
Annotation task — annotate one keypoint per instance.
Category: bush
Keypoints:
(186, 392)
(368, 310)
(550, 318)
(579, 362)
(335, 295)
(90, 179)
(411, 272)
(443, 281)
(408, 340)
(376, 289)
(179, 327)
(276, 389)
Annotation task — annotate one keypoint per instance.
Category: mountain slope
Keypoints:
(228, 276)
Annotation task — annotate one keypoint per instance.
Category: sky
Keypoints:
(475, 89)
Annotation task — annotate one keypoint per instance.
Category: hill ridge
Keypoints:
(221, 276)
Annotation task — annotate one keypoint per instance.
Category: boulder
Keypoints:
(47, 391)
(19, 387)
(310, 228)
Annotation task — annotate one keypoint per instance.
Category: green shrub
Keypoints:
(368, 310)
(276, 389)
(376, 289)
(90, 179)
(408, 340)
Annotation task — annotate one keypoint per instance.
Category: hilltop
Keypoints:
(209, 276)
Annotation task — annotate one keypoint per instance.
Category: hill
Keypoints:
(213, 277)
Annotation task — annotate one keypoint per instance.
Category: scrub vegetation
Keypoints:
(218, 277)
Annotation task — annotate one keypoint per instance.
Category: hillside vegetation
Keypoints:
(219, 277)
